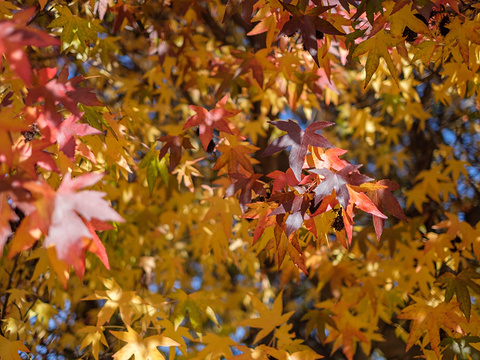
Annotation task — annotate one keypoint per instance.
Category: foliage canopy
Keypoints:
(241, 179)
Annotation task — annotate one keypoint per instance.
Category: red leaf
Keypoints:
(13, 35)
(384, 200)
(245, 185)
(233, 6)
(66, 216)
(280, 179)
(208, 120)
(299, 140)
(308, 22)
(175, 144)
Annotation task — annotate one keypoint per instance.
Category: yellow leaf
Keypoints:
(10, 349)
(94, 337)
(145, 349)
(430, 319)
(269, 319)
(377, 47)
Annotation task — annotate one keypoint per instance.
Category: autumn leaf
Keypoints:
(175, 145)
(260, 211)
(245, 185)
(216, 347)
(14, 34)
(11, 349)
(338, 181)
(269, 319)
(384, 200)
(115, 298)
(208, 120)
(76, 27)
(299, 140)
(141, 348)
(234, 155)
(297, 208)
(430, 319)
(309, 22)
(244, 6)
(459, 285)
(377, 47)
(64, 217)
(94, 337)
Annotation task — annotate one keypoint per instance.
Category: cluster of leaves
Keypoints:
(233, 232)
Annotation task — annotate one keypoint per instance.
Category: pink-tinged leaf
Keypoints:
(66, 131)
(338, 181)
(297, 208)
(67, 217)
(101, 7)
(299, 140)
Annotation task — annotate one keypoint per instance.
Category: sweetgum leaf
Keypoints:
(338, 181)
(299, 140)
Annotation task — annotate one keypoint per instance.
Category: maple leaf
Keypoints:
(62, 217)
(73, 26)
(28, 155)
(308, 21)
(429, 319)
(270, 20)
(94, 337)
(14, 34)
(362, 201)
(282, 179)
(64, 91)
(459, 285)
(216, 347)
(260, 211)
(6, 215)
(124, 11)
(175, 145)
(269, 319)
(234, 155)
(338, 181)
(10, 349)
(384, 200)
(258, 62)
(115, 298)
(318, 158)
(299, 140)
(139, 347)
(297, 209)
(66, 131)
(377, 47)
(208, 120)
(245, 185)
(233, 6)
(185, 172)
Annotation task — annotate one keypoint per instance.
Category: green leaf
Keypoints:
(162, 167)
(459, 285)
(152, 174)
